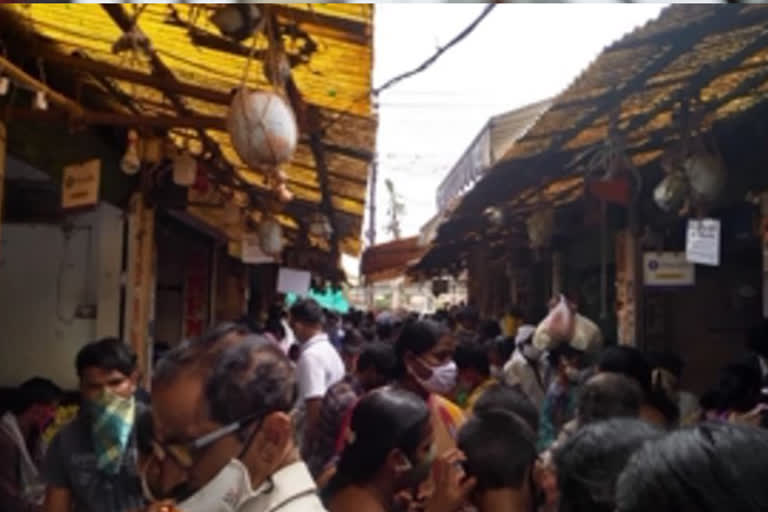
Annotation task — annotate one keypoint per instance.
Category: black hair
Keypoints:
(505, 398)
(606, 396)
(504, 346)
(739, 387)
(380, 357)
(307, 311)
(35, 391)
(563, 350)
(252, 377)
(472, 356)
(383, 420)
(488, 330)
(500, 449)
(352, 342)
(200, 351)
(109, 354)
(274, 326)
(669, 361)
(385, 330)
(589, 462)
(627, 361)
(708, 468)
(418, 338)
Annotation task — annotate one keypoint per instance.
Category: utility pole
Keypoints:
(372, 203)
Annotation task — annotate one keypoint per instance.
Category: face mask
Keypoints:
(530, 352)
(228, 489)
(112, 417)
(442, 380)
(413, 475)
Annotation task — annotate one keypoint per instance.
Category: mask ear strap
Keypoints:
(249, 439)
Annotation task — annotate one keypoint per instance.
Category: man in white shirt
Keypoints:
(319, 366)
(222, 431)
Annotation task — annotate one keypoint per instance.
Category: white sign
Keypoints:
(252, 252)
(80, 184)
(668, 269)
(702, 242)
(291, 280)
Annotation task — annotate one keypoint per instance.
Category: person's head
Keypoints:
(306, 319)
(107, 365)
(708, 468)
(275, 327)
(390, 441)
(606, 396)
(473, 365)
(567, 361)
(221, 409)
(35, 403)
(376, 365)
(499, 352)
(505, 398)
(739, 387)
(500, 453)
(467, 318)
(627, 361)
(589, 463)
(351, 346)
(424, 352)
(488, 330)
(385, 329)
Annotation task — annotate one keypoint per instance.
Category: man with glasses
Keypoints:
(222, 434)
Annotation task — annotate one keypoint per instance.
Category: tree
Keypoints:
(395, 210)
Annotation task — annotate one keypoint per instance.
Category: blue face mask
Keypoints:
(112, 418)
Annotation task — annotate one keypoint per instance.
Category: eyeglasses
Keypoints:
(185, 454)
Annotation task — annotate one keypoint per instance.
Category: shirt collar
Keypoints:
(287, 484)
(317, 338)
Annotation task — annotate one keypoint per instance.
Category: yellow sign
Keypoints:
(80, 184)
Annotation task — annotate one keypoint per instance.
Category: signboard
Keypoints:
(668, 269)
(80, 184)
(702, 242)
(291, 280)
(251, 251)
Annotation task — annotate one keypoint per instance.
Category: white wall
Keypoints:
(46, 273)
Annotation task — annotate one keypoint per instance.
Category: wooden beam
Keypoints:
(22, 76)
(315, 143)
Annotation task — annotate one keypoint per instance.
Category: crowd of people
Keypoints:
(311, 411)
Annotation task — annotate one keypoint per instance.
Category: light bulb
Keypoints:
(41, 102)
(5, 84)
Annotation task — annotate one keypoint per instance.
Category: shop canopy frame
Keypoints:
(166, 66)
(716, 55)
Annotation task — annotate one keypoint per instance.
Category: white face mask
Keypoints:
(530, 352)
(224, 493)
(442, 380)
